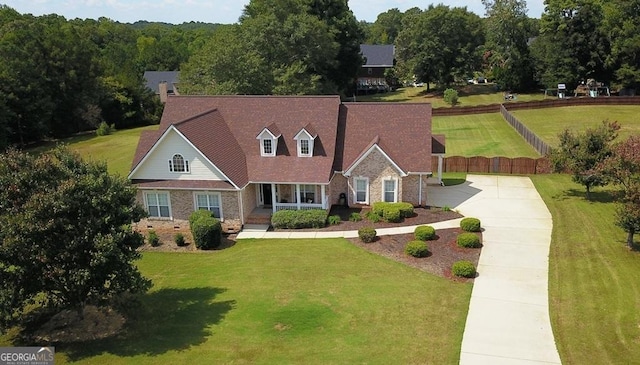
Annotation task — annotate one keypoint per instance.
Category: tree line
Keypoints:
(59, 77)
(64, 76)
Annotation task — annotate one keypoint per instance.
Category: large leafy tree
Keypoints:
(622, 167)
(507, 50)
(386, 27)
(66, 239)
(281, 47)
(622, 23)
(440, 44)
(573, 45)
(582, 153)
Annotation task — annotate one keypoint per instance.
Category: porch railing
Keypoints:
(294, 206)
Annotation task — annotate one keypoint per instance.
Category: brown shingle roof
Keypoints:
(183, 184)
(403, 132)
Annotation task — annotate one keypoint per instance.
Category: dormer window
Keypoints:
(305, 139)
(177, 163)
(268, 141)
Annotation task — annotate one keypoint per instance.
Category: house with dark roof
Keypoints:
(242, 156)
(378, 58)
(163, 83)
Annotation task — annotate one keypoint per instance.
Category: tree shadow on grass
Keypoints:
(168, 319)
(594, 196)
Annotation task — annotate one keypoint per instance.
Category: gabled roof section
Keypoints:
(207, 133)
(308, 130)
(378, 55)
(401, 131)
(272, 130)
(155, 78)
(374, 145)
(245, 118)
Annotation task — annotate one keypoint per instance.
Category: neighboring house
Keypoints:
(163, 83)
(378, 58)
(240, 156)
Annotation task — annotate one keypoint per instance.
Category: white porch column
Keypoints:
(440, 160)
(273, 197)
(297, 197)
(323, 194)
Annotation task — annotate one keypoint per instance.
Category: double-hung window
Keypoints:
(361, 190)
(158, 205)
(307, 193)
(211, 202)
(390, 190)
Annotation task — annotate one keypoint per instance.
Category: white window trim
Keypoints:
(157, 192)
(300, 154)
(195, 201)
(274, 145)
(172, 167)
(355, 190)
(395, 191)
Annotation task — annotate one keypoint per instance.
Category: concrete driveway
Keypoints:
(508, 320)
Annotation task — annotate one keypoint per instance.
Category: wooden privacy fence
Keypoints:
(536, 142)
(496, 165)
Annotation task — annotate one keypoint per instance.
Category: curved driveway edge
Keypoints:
(508, 320)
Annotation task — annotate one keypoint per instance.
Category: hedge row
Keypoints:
(294, 219)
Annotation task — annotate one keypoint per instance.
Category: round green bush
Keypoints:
(470, 224)
(367, 234)
(373, 217)
(424, 233)
(464, 269)
(416, 249)
(468, 240)
(178, 238)
(153, 238)
(392, 215)
(334, 219)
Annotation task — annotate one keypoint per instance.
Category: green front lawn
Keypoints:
(287, 302)
(593, 287)
(481, 135)
(549, 122)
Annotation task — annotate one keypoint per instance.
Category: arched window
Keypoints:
(178, 164)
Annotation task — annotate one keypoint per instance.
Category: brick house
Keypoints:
(243, 155)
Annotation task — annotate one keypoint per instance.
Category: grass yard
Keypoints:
(481, 135)
(287, 302)
(593, 287)
(469, 95)
(548, 123)
(116, 149)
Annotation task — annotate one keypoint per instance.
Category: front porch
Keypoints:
(292, 196)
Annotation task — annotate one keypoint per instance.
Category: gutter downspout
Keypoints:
(420, 191)
(241, 208)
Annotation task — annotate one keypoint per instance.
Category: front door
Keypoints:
(266, 194)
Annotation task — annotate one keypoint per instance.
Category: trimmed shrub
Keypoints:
(367, 234)
(206, 230)
(178, 238)
(373, 217)
(295, 219)
(406, 209)
(468, 240)
(334, 219)
(470, 224)
(153, 238)
(464, 269)
(355, 217)
(417, 249)
(392, 214)
(446, 208)
(104, 129)
(424, 233)
(450, 96)
(200, 213)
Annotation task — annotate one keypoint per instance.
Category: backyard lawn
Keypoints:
(548, 123)
(286, 301)
(593, 287)
(116, 149)
(481, 135)
(469, 95)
